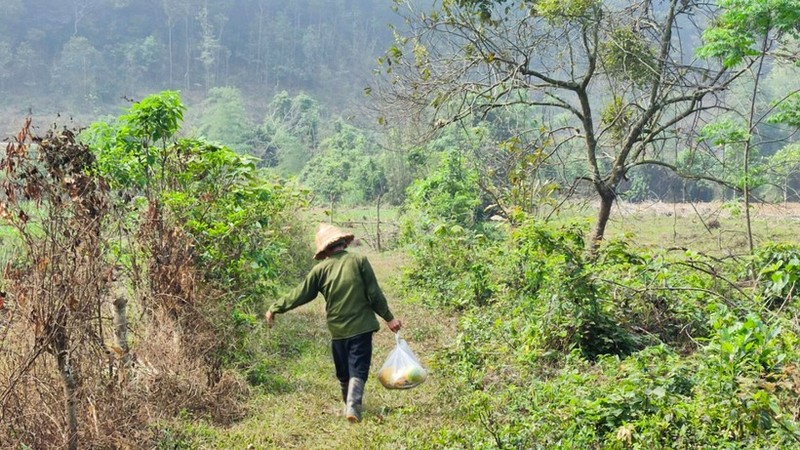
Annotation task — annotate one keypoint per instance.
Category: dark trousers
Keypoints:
(352, 357)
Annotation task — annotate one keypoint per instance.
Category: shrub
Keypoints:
(449, 195)
(776, 268)
(625, 349)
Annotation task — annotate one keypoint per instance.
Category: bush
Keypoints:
(449, 195)
(776, 268)
(450, 267)
(621, 349)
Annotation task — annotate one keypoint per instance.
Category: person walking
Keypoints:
(352, 299)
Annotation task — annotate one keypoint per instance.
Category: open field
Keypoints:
(714, 228)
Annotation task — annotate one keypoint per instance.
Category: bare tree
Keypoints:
(59, 279)
(621, 77)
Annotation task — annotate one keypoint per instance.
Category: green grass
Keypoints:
(7, 238)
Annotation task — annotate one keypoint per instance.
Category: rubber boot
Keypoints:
(355, 394)
(345, 387)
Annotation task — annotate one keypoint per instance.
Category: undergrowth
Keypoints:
(560, 348)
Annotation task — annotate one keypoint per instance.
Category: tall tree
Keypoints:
(224, 117)
(78, 70)
(619, 76)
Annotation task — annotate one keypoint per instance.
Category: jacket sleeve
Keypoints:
(377, 301)
(300, 295)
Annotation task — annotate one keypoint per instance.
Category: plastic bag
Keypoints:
(402, 369)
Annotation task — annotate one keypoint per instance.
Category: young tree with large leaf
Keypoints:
(622, 75)
(749, 33)
(207, 217)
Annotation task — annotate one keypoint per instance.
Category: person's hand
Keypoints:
(270, 317)
(394, 325)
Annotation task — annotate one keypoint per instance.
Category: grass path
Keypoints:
(301, 408)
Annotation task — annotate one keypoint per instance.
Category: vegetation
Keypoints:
(160, 282)
(568, 204)
(94, 53)
(607, 80)
(628, 349)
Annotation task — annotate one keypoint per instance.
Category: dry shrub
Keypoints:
(170, 272)
(75, 370)
(171, 375)
(163, 381)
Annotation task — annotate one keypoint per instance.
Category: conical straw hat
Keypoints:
(327, 234)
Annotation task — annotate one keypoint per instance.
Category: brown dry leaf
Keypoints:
(72, 303)
(32, 190)
(116, 349)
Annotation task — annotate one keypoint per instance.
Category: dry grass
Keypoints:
(165, 379)
(714, 227)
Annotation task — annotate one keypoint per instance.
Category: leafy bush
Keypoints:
(776, 268)
(624, 349)
(218, 234)
(450, 267)
(448, 195)
(740, 397)
(564, 295)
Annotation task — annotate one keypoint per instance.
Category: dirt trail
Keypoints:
(303, 410)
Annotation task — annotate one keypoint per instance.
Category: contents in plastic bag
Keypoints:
(402, 369)
(398, 379)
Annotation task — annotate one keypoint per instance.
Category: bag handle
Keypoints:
(397, 337)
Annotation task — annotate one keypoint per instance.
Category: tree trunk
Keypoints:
(751, 125)
(378, 224)
(786, 191)
(746, 190)
(121, 336)
(188, 49)
(607, 198)
(169, 45)
(61, 349)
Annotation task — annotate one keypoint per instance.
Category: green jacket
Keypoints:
(351, 291)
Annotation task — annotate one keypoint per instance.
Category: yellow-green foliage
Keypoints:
(557, 10)
(628, 55)
(617, 117)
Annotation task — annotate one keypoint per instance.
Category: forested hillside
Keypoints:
(84, 57)
(585, 213)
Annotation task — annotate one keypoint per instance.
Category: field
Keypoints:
(714, 228)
